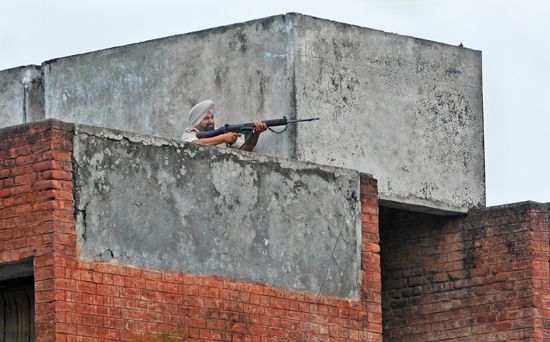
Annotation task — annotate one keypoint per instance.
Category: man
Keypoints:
(201, 118)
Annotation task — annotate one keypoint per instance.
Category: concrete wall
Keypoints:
(21, 96)
(407, 111)
(150, 87)
(180, 207)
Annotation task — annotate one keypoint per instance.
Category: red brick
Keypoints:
(4, 173)
(130, 335)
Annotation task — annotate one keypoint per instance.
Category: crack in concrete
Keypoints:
(82, 213)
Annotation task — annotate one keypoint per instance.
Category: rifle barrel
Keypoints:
(299, 120)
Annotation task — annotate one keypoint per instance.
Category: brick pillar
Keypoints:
(540, 267)
(370, 260)
(36, 201)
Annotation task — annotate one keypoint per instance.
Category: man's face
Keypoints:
(207, 123)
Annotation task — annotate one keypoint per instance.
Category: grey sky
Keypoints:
(513, 35)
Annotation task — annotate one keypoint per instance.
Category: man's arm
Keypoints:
(229, 138)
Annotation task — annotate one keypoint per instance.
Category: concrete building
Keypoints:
(407, 111)
(367, 225)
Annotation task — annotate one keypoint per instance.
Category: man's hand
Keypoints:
(230, 137)
(260, 126)
(252, 140)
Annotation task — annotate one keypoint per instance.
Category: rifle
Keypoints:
(249, 127)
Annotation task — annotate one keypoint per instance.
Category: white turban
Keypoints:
(197, 113)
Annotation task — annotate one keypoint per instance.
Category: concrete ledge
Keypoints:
(418, 205)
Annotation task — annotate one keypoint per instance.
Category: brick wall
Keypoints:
(36, 209)
(81, 301)
(483, 277)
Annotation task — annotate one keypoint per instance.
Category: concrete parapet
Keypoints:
(179, 207)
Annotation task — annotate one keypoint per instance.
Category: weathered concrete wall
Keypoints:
(173, 206)
(406, 110)
(21, 96)
(150, 87)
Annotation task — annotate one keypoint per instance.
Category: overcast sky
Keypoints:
(514, 37)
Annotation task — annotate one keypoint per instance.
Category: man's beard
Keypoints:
(205, 128)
